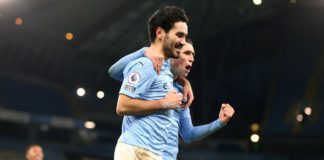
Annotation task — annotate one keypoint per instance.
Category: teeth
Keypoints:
(178, 46)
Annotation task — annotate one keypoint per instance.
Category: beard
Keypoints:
(168, 48)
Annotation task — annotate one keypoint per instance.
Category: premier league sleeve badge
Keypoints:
(134, 78)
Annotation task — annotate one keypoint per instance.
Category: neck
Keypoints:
(175, 77)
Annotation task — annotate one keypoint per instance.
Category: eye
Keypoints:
(187, 52)
(180, 34)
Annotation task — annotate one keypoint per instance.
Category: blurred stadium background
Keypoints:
(265, 57)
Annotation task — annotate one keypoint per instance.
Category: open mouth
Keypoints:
(188, 67)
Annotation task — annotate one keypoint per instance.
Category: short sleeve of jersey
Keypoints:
(139, 76)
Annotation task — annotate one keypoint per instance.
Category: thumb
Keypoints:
(158, 71)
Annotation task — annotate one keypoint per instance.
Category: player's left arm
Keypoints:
(190, 133)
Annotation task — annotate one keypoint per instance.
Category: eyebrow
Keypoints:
(188, 51)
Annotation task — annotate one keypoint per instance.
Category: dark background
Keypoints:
(266, 60)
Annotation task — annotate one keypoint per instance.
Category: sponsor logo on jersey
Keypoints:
(167, 85)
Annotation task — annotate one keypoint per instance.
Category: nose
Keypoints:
(191, 58)
(183, 41)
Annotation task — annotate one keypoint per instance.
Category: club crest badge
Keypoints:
(134, 78)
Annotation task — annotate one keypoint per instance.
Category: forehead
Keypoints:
(180, 27)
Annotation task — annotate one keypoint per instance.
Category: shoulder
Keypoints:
(141, 65)
(141, 62)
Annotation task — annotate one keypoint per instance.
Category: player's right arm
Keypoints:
(138, 79)
(130, 106)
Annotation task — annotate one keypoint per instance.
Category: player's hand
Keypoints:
(156, 60)
(172, 100)
(226, 113)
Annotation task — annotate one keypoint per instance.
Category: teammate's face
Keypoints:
(35, 153)
(175, 39)
(182, 65)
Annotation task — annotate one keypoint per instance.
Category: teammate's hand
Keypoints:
(226, 113)
(156, 60)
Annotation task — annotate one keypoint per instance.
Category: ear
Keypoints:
(159, 33)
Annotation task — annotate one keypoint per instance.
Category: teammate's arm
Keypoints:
(188, 95)
(116, 70)
(190, 133)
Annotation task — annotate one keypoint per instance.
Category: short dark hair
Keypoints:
(165, 18)
(31, 146)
